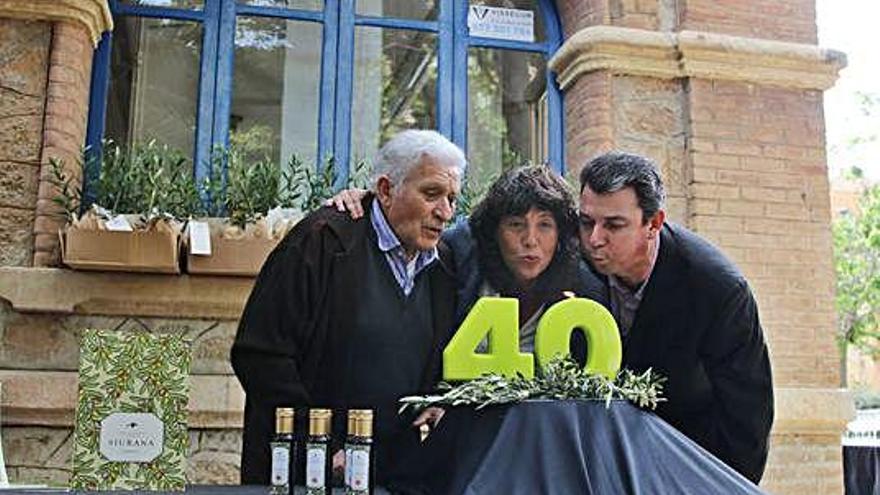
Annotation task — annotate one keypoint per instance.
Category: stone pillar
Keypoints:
(24, 50)
(736, 124)
(44, 96)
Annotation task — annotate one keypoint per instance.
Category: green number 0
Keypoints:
(495, 319)
(603, 339)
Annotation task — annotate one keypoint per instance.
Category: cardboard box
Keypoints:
(238, 257)
(154, 251)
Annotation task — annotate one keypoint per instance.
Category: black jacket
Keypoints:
(698, 326)
(296, 319)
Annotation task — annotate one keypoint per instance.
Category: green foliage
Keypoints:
(472, 192)
(151, 179)
(857, 264)
(148, 178)
(69, 194)
(145, 178)
(250, 188)
(866, 399)
(561, 379)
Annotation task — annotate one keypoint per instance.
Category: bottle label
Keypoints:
(316, 460)
(360, 470)
(280, 464)
(348, 466)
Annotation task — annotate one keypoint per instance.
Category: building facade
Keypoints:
(725, 95)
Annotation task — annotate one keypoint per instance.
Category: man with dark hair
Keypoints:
(351, 314)
(683, 309)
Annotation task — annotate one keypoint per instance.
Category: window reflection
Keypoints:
(395, 81)
(154, 79)
(507, 111)
(275, 100)
(291, 4)
(405, 9)
(187, 4)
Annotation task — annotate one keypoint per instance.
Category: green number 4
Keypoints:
(495, 319)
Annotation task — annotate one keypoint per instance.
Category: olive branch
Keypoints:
(561, 379)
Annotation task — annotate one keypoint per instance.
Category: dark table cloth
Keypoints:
(861, 470)
(561, 447)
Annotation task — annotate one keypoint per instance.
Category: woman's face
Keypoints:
(528, 243)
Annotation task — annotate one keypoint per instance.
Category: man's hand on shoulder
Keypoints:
(348, 200)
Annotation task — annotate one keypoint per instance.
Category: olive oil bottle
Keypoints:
(318, 459)
(358, 453)
(283, 449)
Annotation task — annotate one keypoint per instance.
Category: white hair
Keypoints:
(406, 150)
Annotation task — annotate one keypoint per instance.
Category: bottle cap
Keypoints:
(284, 420)
(363, 426)
(319, 422)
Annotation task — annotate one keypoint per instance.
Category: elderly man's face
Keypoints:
(419, 208)
(614, 235)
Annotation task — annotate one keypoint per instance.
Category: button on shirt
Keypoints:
(404, 270)
(624, 301)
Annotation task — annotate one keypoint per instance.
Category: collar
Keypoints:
(388, 240)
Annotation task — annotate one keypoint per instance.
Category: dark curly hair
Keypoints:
(515, 193)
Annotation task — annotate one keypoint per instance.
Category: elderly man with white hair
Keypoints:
(350, 314)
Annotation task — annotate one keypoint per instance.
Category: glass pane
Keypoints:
(276, 93)
(405, 9)
(395, 81)
(520, 5)
(507, 111)
(154, 80)
(290, 4)
(187, 4)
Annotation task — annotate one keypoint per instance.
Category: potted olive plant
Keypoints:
(255, 206)
(141, 193)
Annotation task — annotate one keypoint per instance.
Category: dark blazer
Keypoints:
(287, 351)
(698, 326)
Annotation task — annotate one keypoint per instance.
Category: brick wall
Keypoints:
(588, 103)
(578, 14)
(784, 20)
(650, 117)
(66, 115)
(24, 58)
(760, 190)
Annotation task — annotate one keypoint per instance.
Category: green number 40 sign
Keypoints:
(496, 319)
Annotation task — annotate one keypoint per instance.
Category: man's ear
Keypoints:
(384, 188)
(655, 223)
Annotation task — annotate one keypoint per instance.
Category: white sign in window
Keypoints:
(499, 23)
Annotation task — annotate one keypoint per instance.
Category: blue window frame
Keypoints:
(339, 20)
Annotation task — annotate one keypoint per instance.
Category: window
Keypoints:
(323, 78)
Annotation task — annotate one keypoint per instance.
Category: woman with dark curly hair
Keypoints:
(521, 241)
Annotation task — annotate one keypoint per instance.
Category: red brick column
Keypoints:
(64, 126)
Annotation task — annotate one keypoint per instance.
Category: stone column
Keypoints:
(735, 122)
(44, 95)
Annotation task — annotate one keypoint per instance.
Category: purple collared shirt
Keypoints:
(404, 270)
(625, 302)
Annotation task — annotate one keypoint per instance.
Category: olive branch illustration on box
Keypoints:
(131, 373)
